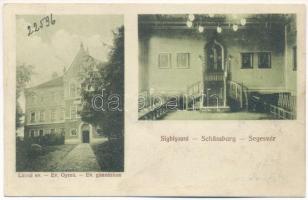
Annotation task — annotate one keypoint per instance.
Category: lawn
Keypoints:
(45, 161)
(110, 155)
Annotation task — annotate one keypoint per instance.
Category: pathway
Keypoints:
(80, 159)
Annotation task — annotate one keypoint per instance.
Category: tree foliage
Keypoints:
(23, 77)
(109, 78)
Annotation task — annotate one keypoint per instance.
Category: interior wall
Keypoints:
(255, 40)
(143, 65)
(291, 43)
(174, 79)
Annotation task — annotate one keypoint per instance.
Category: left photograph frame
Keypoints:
(69, 93)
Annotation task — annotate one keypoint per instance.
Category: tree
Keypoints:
(23, 77)
(108, 78)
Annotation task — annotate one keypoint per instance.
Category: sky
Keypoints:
(54, 47)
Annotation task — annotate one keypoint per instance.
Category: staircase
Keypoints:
(279, 104)
(193, 96)
(238, 94)
(195, 99)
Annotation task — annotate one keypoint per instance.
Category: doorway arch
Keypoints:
(85, 132)
(214, 76)
(214, 57)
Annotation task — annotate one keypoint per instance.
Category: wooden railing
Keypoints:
(281, 113)
(194, 89)
(144, 100)
(151, 109)
(286, 108)
(239, 93)
(214, 76)
(154, 112)
(286, 101)
(193, 93)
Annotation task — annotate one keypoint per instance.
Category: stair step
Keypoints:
(215, 109)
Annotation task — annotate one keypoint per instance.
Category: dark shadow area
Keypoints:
(110, 155)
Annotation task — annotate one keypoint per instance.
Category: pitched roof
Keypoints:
(81, 57)
(52, 83)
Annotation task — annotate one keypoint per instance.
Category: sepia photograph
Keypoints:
(69, 93)
(217, 66)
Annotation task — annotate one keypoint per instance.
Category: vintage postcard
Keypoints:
(154, 100)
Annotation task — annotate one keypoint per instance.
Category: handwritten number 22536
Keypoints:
(45, 21)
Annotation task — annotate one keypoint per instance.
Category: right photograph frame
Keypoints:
(217, 66)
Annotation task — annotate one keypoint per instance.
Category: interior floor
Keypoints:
(198, 115)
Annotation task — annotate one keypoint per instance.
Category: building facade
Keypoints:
(53, 107)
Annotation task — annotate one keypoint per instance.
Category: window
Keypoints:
(41, 133)
(33, 99)
(42, 116)
(36, 133)
(99, 131)
(294, 49)
(264, 60)
(47, 115)
(73, 112)
(247, 60)
(42, 99)
(62, 114)
(72, 90)
(183, 60)
(164, 60)
(47, 131)
(32, 117)
(78, 90)
(62, 131)
(53, 115)
(57, 96)
(78, 110)
(32, 133)
(52, 131)
(52, 96)
(29, 117)
(73, 132)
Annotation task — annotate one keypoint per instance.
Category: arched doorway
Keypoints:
(85, 133)
(214, 56)
(214, 76)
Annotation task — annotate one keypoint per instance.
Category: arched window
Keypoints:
(214, 54)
